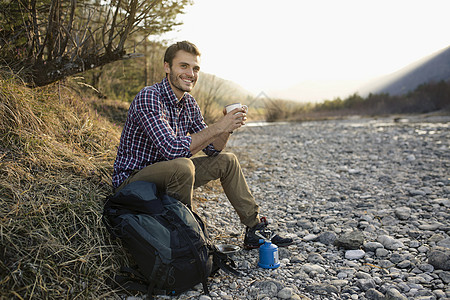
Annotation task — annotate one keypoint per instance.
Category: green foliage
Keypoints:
(48, 40)
(122, 80)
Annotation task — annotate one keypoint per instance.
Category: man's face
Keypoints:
(184, 72)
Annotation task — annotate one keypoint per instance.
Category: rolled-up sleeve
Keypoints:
(211, 151)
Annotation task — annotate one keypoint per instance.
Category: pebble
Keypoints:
(365, 200)
(354, 254)
(372, 246)
(389, 242)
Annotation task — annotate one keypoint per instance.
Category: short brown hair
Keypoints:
(173, 49)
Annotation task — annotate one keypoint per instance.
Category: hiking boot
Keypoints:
(252, 238)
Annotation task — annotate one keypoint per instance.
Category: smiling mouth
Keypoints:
(188, 80)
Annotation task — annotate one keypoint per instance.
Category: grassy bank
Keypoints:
(56, 156)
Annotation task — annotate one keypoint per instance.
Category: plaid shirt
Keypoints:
(156, 129)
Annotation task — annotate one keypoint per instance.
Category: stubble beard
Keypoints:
(175, 81)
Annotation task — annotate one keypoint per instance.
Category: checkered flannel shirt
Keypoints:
(156, 129)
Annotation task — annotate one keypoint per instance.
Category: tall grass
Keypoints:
(56, 155)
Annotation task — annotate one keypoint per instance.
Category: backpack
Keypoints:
(168, 241)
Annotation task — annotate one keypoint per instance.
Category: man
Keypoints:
(165, 128)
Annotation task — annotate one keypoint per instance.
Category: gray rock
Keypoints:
(285, 293)
(365, 284)
(386, 264)
(445, 243)
(310, 237)
(381, 252)
(350, 240)
(414, 244)
(315, 258)
(322, 289)
(267, 287)
(417, 193)
(394, 294)
(389, 242)
(403, 213)
(439, 259)
(327, 238)
(445, 276)
(423, 249)
(354, 254)
(308, 268)
(305, 224)
(396, 258)
(404, 264)
(373, 294)
(426, 267)
(431, 227)
(372, 246)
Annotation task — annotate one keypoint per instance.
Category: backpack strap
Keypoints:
(224, 262)
(133, 280)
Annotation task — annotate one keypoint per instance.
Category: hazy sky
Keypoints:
(331, 46)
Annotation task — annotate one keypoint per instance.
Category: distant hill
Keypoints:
(221, 90)
(433, 68)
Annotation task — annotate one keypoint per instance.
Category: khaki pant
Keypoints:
(180, 176)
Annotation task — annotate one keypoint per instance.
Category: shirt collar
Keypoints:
(171, 97)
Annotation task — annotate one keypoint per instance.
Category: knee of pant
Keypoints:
(184, 166)
(230, 158)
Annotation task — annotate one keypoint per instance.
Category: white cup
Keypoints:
(230, 107)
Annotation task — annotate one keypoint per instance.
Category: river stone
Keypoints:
(327, 238)
(365, 284)
(322, 288)
(445, 243)
(403, 213)
(315, 258)
(308, 268)
(372, 246)
(267, 287)
(431, 227)
(439, 258)
(310, 237)
(373, 294)
(381, 252)
(285, 293)
(354, 254)
(394, 294)
(445, 277)
(350, 240)
(389, 242)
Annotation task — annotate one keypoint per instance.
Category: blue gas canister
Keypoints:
(268, 255)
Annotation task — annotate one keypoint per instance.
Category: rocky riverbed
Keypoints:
(367, 202)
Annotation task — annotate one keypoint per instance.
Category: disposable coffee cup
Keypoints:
(230, 107)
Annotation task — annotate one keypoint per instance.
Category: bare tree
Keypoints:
(47, 40)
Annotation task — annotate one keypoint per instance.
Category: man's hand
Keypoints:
(219, 132)
(234, 119)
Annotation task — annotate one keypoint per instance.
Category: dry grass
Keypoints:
(56, 156)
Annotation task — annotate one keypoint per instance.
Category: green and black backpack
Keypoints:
(168, 241)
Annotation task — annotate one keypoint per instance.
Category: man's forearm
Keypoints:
(218, 133)
(221, 141)
(205, 137)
